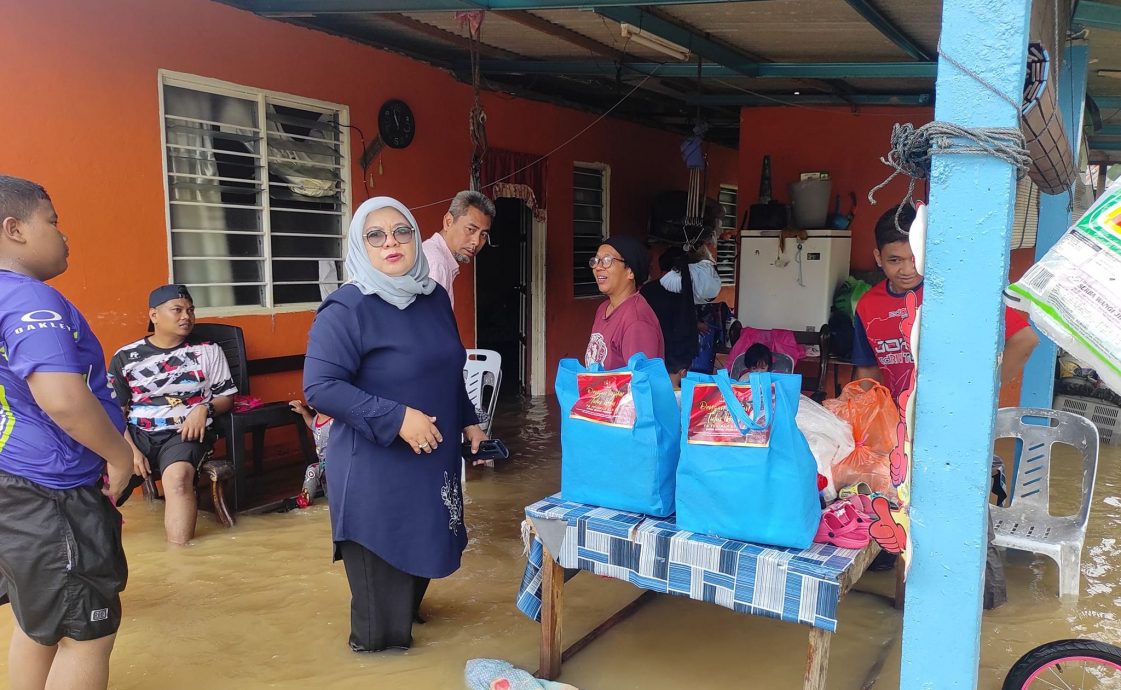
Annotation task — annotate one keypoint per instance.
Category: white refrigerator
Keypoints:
(790, 289)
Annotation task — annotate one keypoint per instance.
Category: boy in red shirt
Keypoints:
(882, 349)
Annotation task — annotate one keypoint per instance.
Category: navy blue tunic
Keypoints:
(366, 361)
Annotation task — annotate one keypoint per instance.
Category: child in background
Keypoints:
(758, 357)
(315, 475)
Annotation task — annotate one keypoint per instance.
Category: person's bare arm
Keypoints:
(222, 404)
(68, 401)
(1017, 351)
(869, 373)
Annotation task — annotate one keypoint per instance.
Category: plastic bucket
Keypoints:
(810, 199)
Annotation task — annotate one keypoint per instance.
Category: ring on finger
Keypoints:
(422, 445)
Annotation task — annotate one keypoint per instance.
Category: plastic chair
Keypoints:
(483, 375)
(780, 364)
(234, 424)
(1027, 523)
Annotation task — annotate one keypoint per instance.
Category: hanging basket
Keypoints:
(1052, 167)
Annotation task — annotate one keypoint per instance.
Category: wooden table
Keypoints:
(544, 575)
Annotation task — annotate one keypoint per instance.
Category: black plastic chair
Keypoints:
(234, 425)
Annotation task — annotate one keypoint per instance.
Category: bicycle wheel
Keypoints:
(1069, 665)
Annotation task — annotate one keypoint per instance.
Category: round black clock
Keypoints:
(396, 124)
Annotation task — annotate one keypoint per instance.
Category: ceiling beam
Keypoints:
(451, 37)
(744, 99)
(873, 16)
(1107, 102)
(305, 7)
(1108, 131)
(793, 70)
(1102, 145)
(532, 21)
(1098, 15)
(711, 51)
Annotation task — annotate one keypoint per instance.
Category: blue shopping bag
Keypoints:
(620, 434)
(746, 471)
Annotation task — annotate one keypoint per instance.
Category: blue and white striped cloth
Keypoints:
(652, 553)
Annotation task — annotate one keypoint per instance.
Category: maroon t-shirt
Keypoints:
(631, 328)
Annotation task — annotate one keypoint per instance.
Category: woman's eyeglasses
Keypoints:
(403, 235)
(605, 261)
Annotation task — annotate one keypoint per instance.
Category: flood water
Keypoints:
(263, 606)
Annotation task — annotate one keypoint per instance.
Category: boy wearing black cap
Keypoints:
(62, 566)
(624, 324)
(171, 386)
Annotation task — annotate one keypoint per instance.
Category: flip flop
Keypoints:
(841, 530)
(857, 488)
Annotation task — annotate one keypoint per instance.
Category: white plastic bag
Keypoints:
(829, 436)
(1073, 293)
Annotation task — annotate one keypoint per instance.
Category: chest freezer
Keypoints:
(790, 289)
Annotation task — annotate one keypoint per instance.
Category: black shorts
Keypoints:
(62, 566)
(163, 448)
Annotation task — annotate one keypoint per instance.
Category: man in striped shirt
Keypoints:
(171, 386)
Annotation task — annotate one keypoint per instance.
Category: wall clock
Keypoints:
(396, 124)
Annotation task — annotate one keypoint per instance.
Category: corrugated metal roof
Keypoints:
(571, 54)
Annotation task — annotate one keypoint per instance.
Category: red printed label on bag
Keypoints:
(605, 398)
(711, 423)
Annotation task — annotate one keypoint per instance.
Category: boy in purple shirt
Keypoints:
(624, 324)
(62, 566)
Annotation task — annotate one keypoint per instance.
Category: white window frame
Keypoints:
(262, 97)
(605, 171)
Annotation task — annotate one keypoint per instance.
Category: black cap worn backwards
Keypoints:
(166, 293)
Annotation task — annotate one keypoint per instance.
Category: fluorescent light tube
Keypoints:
(656, 43)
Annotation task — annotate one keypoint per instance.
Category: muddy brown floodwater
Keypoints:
(262, 606)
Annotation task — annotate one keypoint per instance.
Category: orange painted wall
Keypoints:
(846, 144)
(81, 116)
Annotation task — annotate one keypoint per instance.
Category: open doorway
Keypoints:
(502, 306)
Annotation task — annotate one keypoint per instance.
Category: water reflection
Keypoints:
(262, 606)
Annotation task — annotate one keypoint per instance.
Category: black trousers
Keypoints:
(384, 601)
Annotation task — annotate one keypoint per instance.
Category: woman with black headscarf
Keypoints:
(624, 324)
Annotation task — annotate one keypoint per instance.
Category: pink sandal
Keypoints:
(842, 529)
(863, 505)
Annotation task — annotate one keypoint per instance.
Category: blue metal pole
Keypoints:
(1055, 217)
(971, 204)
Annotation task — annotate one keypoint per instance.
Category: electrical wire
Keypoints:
(366, 168)
(560, 146)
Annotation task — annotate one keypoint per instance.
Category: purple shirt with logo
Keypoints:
(41, 331)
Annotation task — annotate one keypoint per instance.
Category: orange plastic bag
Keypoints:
(874, 416)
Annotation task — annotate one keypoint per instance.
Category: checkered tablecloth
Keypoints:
(787, 584)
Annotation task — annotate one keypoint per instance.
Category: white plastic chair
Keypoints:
(780, 364)
(1027, 523)
(483, 375)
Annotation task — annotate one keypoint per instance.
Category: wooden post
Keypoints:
(552, 601)
(817, 660)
